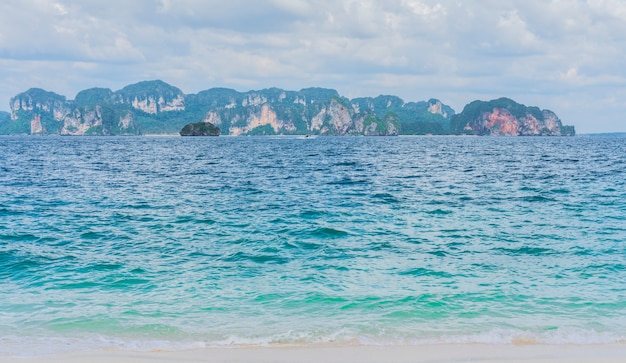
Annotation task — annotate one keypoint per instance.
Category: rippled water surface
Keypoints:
(171, 243)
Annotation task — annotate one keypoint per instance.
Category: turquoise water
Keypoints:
(177, 243)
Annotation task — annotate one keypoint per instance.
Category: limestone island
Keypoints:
(155, 107)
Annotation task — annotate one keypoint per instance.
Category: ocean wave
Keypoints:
(16, 346)
(170, 244)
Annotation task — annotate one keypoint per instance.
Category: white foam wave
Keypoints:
(561, 336)
(14, 346)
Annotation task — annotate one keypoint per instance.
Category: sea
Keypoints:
(173, 243)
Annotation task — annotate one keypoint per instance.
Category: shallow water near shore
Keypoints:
(178, 243)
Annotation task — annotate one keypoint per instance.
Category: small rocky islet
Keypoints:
(155, 107)
(200, 129)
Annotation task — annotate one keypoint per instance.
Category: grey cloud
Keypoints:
(235, 15)
(52, 31)
(413, 48)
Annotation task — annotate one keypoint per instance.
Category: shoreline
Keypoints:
(608, 353)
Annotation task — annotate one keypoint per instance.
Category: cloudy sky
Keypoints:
(565, 55)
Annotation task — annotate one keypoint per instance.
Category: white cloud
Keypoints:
(297, 7)
(164, 6)
(571, 75)
(609, 8)
(463, 50)
(515, 29)
(61, 10)
(420, 8)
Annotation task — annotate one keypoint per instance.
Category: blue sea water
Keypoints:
(144, 243)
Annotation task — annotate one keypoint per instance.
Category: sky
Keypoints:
(568, 56)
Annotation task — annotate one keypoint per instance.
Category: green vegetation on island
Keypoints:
(504, 116)
(155, 107)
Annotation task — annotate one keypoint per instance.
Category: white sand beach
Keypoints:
(362, 354)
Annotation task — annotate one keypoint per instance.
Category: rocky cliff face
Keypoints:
(274, 111)
(81, 123)
(505, 117)
(152, 97)
(36, 128)
(335, 119)
(155, 107)
(37, 111)
(259, 117)
(94, 112)
(435, 107)
(37, 100)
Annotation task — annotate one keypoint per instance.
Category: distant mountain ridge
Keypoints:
(155, 107)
